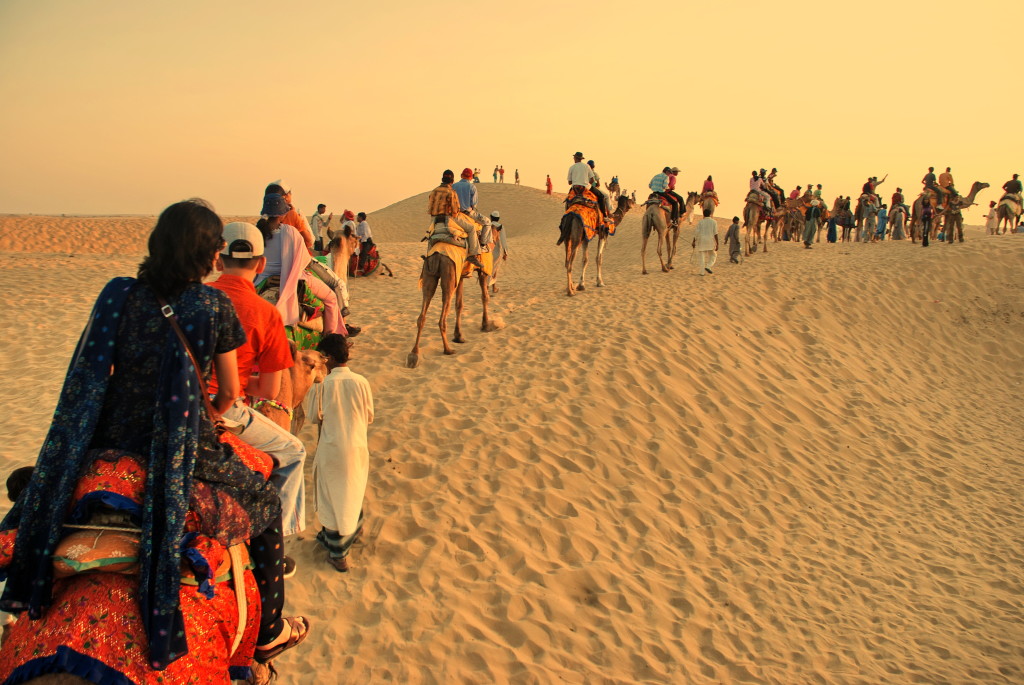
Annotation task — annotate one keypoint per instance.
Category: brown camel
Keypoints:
(439, 269)
(655, 219)
(963, 202)
(309, 367)
(573, 233)
(753, 214)
(1008, 213)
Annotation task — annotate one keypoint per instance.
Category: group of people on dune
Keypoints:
(146, 543)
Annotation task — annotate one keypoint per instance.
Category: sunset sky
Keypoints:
(124, 107)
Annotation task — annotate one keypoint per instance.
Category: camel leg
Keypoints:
(485, 298)
(447, 295)
(583, 269)
(643, 255)
(601, 241)
(459, 304)
(664, 268)
(429, 288)
(766, 238)
(570, 257)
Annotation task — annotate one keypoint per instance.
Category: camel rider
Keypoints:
(659, 187)
(757, 186)
(443, 206)
(931, 183)
(467, 193)
(796, 193)
(673, 176)
(767, 187)
(898, 201)
(595, 188)
(581, 176)
(1012, 188)
(946, 181)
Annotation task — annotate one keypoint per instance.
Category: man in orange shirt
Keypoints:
(266, 350)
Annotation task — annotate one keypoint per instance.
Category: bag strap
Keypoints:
(168, 313)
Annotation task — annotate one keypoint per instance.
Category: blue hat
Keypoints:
(274, 205)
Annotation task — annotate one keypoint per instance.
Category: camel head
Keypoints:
(692, 197)
(624, 203)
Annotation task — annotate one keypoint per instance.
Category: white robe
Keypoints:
(343, 406)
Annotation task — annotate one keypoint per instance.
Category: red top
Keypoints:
(671, 181)
(708, 186)
(265, 349)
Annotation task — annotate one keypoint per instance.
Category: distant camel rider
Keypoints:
(796, 193)
(673, 175)
(709, 186)
(1012, 189)
(898, 201)
(595, 188)
(931, 183)
(659, 187)
(946, 181)
(757, 186)
(466, 191)
(767, 187)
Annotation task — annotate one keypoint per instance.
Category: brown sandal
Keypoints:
(299, 627)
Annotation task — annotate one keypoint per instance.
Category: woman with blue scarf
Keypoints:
(131, 416)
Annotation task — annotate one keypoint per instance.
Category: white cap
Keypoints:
(495, 214)
(287, 187)
(242, 240)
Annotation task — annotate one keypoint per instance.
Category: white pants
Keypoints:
(706, 259)
(288, 453)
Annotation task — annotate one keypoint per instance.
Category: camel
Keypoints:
(613, 189)
(692, 200)
(709, 200)
(964, 202)
(655, 219)
(753, 214)
(440, 269)
(1008, 212)
(286, 409)
(573, 232)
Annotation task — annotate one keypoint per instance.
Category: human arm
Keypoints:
(266, 384)
(228, 386)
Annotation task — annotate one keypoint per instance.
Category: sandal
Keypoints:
(299, 627)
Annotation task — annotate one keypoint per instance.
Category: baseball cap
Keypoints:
(242, 240)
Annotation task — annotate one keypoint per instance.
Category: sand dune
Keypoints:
(804, 468)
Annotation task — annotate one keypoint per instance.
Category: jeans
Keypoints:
(289, 456)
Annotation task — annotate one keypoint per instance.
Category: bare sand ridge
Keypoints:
(806, 468)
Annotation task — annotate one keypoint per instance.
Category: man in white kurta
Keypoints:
(343, 406)
(705, 242)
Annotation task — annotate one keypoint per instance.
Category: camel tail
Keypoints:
(431, 268)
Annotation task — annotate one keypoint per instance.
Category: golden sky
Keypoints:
(119, 106)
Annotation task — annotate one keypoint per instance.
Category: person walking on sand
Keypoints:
(705, 242)
(517, 176)
(501, 174)
(926, 221)
(732, 239)
(495, 174)
(365, 236)
(811, 222)
(992, 220)
(500, 248)
(883, 222)
(343, 408)
(548, 184)
(319, 223)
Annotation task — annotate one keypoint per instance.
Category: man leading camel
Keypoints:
(266, 349)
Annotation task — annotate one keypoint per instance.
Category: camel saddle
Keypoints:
(660, 201)
(1013, 198)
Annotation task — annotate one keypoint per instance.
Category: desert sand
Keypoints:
(806, 468)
